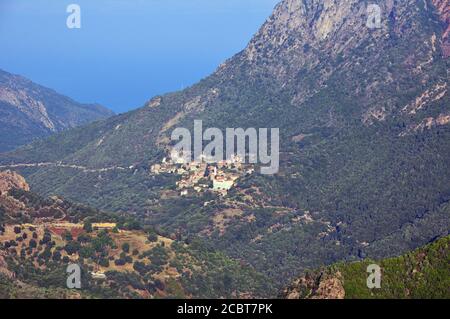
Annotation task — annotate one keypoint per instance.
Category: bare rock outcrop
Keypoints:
(10, 180)
(317, 286)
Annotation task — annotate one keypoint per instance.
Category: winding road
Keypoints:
(78, 167)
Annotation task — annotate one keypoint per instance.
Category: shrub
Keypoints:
(152, 237)
(56, 256)
(104, 262)
(87, 226)
(126, 247)
(119, 262)
(67, 236)
(72, 247)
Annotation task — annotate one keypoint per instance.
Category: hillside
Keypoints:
(29, 111)
(40, 237)
(421, 274)
(364, 120)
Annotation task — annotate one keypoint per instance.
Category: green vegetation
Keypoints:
(420, 274)
(39, 255)
(22, 125)
(359, 176)
(424, 273)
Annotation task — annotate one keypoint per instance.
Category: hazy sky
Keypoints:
(126, 50)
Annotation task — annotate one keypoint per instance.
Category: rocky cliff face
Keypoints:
(419, 274)
(318, 286)
(10, 180)
(29, 111)
(305, 44)
(443, 9)
(4, 267)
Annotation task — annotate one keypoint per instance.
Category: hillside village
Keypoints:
(203, 174)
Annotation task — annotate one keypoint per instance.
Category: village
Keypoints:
(203, 174)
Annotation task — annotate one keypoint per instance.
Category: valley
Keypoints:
(364, 132)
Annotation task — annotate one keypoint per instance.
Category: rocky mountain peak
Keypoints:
(300, 34)
(298, 29)
(296, 23)
(443, 9)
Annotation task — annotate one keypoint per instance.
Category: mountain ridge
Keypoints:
(31, 111)
(419, 274)
(363, 116)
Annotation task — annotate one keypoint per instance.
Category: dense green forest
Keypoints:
(420, 274)
(364, 148)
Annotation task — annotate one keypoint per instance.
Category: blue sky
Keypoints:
(127, 50)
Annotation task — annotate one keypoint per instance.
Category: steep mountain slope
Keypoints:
(423, 273)
(29, 111)
(364, 120)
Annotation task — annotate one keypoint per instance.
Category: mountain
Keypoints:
(40, 237)
(364, 118)
(421, 274)
(444, 14)
(29, 111)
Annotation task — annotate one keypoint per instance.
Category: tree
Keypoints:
(2, 214)
(56, 256)
(140, 267)
(67, 236)
(17, 230)
(87, 226)
(83, 238)
(126, 247)
(47, 238)
(104, 262)
(132, 225)
(87, 252)
(46, 254)
(101, 243)
(33, 243)
(120, 262)
(72, 247)
(152, 237)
